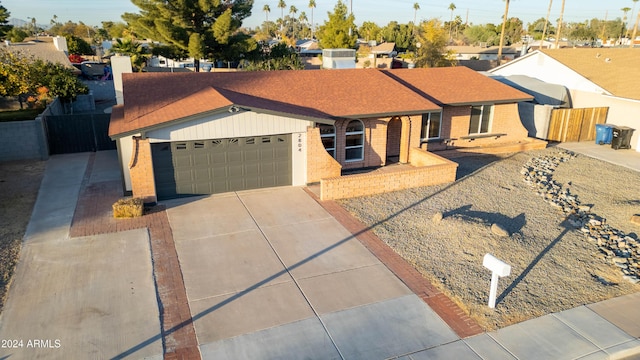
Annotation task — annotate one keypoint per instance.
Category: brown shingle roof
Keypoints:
(457, 86)
(619, 75)
(153, 99)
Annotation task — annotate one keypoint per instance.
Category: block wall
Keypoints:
(23, 140)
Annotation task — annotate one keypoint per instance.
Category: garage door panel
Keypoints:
(221, 165)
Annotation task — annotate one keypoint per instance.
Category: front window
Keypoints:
(430, 126)
(480, 119)
(354, 142)
(328, 138)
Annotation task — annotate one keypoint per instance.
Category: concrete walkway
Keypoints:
(78, 298)
(269, 274)
(628, 158)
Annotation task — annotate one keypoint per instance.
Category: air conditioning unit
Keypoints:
(338, 58)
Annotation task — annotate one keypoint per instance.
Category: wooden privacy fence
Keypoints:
(568, 125)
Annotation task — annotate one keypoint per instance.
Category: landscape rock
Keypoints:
(499, 230)
(612, 243)
(437, 217)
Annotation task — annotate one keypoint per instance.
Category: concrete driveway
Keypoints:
(270, 274)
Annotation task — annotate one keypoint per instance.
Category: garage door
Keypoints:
(220, 165)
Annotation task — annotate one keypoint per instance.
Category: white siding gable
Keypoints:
(242, 124)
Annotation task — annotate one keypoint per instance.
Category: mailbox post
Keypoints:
(498, 269)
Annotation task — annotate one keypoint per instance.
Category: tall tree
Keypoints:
(504, 25)
(451, 7)
(432, 46)
(293, 11)
(416, 7)
(546, 22)
(559, 31)
(266, 10)
(174, 22)
(4, 21)
(134, 50)
(633, 12)
(312, 5)
(281, 6)
(625, 10)
(339, 31)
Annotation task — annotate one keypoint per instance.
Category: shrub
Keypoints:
(128, 208)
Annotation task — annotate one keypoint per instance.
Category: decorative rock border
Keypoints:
(614, 246)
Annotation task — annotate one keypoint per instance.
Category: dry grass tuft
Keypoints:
(128, 208)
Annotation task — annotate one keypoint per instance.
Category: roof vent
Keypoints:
(607, 60)
(598, 55)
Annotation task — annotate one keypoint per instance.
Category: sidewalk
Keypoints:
(628, 158)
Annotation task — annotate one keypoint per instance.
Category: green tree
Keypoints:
(513, 31)
(277, 57)
(293, 11)
(416, 7)
(369, 31)
(134, 50)
(401, 34)
(537, 28)
(16, 35)
(482, 34)
(339, 31)
(22, 76)
(114, 30)
(4, 21)
(451, 7)
(174, 22)
(78, 46)
(431, 44)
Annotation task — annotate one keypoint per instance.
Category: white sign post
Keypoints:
(498, 269)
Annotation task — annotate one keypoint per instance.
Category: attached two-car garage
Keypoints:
(198, 167)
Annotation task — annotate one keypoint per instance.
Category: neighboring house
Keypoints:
(536, 114)
(595, 77)
(216, 132)
(483, 52)
(51, 49)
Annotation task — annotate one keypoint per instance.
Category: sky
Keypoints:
(93, 12)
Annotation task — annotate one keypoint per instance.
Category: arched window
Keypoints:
(354, 141)
(328, 137)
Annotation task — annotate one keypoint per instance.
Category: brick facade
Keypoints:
(455, 125)
(319, 163)
(437, 170)
(141, 169)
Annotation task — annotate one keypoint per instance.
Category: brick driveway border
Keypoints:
(448, 310)
(93, 216)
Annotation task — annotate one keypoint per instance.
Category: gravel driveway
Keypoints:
(554, 267)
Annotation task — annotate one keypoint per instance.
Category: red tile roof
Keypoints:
(153, 99)
(457, 86)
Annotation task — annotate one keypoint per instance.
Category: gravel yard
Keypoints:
(19, 184)
(554, 266)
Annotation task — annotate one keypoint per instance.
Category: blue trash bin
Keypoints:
(604, 133)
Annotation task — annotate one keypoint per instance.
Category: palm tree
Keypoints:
(312, 5)
(504, 26)
(632, 11)
(559, 25)
(451, 7)
(546, 21)
(281, 5)
(266, 10)
(416, 7)
(625, 10)
(293, 11)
